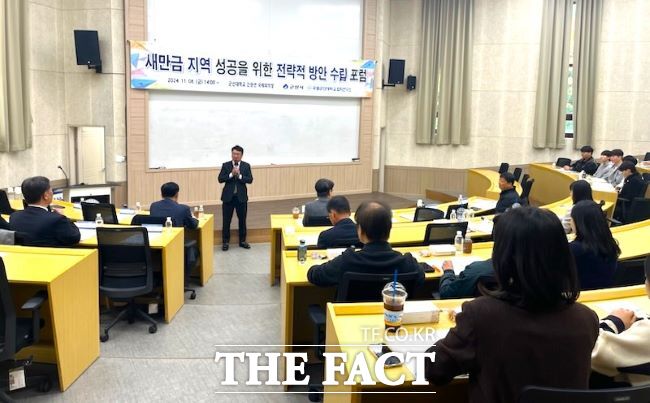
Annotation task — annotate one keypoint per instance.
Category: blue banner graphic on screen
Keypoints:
(159, 68)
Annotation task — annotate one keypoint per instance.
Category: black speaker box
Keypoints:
(396, 71)
(86, 45)
(410, 83)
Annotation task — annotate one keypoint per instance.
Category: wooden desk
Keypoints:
(171, 244)
(552, 184)
(405, 232)
(644, 169)
(485, 183)
(204, 234)
(297, 293)
(345, 333)
(70, 338)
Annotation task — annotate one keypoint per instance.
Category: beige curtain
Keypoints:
(588, 21)
(445, 83)
(15, 115)
(550, 105)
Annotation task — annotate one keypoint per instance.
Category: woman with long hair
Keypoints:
(579, 190)
(517, 334)
(595, 250)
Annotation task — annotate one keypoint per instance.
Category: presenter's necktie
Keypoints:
(235, 192)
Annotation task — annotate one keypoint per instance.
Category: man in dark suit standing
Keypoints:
(235, 174)
(40, 226)
(180, 214)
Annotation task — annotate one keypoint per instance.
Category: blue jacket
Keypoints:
(180, 213)
(506, 199)
(465, 284)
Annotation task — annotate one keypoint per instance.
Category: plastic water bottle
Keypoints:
(583, 175)
(99, 221)
(196, 211)
(452, 215)
(458, 242)
(168, 224)
(138, 207)
(201, 211)
(460, 199)
(302, 251)
(419, 203)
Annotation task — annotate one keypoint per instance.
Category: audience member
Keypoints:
(586, 163)
(508, 195)
(633, 186)
(595, 250)
(373, 226)
(604, 164)
(344, 231)
(517, 334)
(169, 207)
(39, 225)
(579, 191)
(317, 210)
(614, 176)
(621, 350)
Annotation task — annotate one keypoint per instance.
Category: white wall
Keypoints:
(506, 54)
(64, 94)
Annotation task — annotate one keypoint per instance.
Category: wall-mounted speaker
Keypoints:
(410, 83)
(396, 71)
(86, 45)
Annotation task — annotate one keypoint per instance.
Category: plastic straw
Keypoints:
(394, 283)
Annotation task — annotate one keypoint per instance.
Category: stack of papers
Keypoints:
(87, 233)
(609, 306)
(484, 226)
(442, 250)
(482, 204)
(85, 224)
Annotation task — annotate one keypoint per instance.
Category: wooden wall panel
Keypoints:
(199, 186)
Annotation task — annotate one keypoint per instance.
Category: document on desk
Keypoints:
(409, 217)
(459, 262)
(87, 233)
(415, 343)
(124, 217)
(311, 239)
(85, 224)
(484, 226)
(609, 306)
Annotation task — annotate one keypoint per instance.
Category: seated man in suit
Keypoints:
(614, 175)
(317, 209)
(169, 207)
(344, 231)
(586, 163)
(40, 226)
(508, 195)
(373, 227)
(633, 186)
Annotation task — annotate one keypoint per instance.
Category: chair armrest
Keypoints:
(614, 222)
(622, 199)
(34, 304)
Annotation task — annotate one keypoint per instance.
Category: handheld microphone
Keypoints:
(67, 181)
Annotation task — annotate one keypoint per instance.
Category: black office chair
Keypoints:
(524, 179)
(317, 221)
(106, 210)
(647, 156)
(517, 173)
(525, 192)
(443, 233)
(562, 162)
(537, 394)
(646, 177)
(454, 207)
(503, 168)
(17, 333)
(191, 247)
(125, 271)
(630, 272)
(354, 287)
(427, 214)
(5, 206)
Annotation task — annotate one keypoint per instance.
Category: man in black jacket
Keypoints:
(39, 225)
(633, 186)
(374, 225)
(344, 231)
(180, 214)
(508, 195)
(235, 174)
(586, 163)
